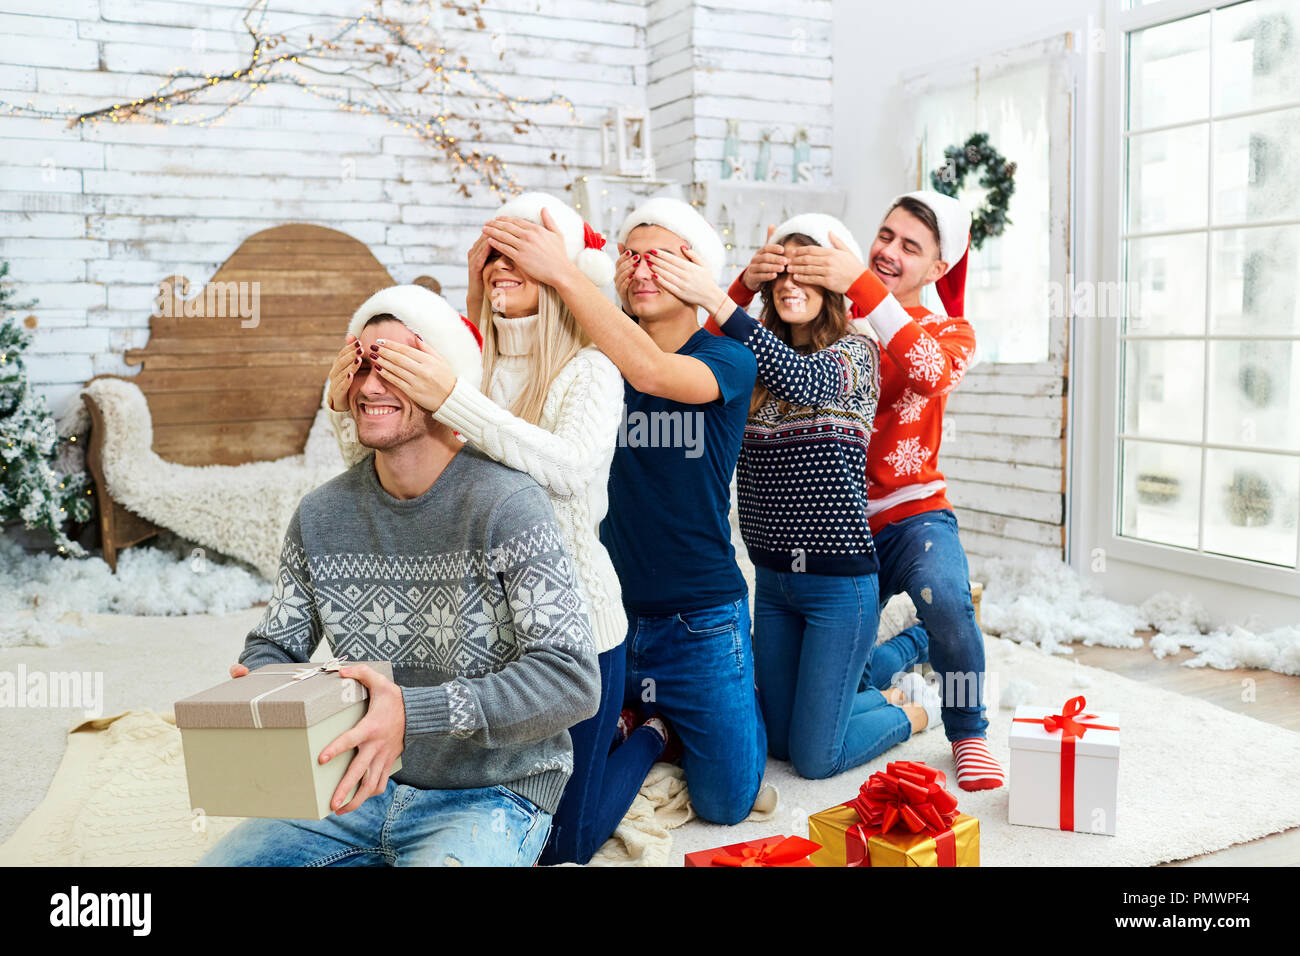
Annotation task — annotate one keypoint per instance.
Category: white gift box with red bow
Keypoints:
(1064, 768)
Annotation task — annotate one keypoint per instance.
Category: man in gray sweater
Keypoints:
(432, 556)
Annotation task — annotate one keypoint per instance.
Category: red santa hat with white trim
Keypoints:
(428, 315)
(583, 244)
(682, 220)
(954, 246)
(818, 227)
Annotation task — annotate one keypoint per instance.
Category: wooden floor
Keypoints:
(1264, 695)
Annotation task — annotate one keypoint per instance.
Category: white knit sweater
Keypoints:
(568, 453)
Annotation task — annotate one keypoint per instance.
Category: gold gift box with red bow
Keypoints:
(902, 816)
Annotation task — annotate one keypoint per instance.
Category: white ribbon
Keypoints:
(300, 673)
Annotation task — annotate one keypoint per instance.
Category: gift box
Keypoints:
(1064, 768)
(252, 744)
(900, 817)
(769, 851)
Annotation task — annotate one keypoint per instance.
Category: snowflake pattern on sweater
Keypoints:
(468, 591)
(924, 357)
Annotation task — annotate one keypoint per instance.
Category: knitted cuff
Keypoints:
(426, 710)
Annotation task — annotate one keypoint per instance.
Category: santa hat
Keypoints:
(582, 243)
(954, 244)
(680, 218)
(818, 227)
(428, 315)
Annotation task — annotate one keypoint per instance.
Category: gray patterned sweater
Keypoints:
(468, 591)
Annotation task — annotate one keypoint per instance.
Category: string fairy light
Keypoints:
(355, 50)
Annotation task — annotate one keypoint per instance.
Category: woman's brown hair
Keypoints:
(830, 325)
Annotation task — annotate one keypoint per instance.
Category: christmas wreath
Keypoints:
(998, 178)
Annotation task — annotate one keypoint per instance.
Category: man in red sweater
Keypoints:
(922, 240)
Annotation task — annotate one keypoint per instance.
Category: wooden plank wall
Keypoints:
(1003, 455)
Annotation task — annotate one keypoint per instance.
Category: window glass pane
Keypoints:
(1163, 389)
(1256, 281)
(1166, 285)
(1257, 167)
(1161, 492)
(1006, 278)
(1251, 505)
(1256, 55)
(1169, 73)
(1255, 397)
(1167, 179)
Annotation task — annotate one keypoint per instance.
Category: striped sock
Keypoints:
(976, 768)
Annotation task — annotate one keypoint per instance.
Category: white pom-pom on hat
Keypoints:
(680, 218)
(596, 266)
(582, 244)
(428, 315)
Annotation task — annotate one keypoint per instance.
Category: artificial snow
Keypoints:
(1018, 691)
(42, 596)
(1043, 601)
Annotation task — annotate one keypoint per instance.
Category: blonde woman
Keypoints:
(550, 406)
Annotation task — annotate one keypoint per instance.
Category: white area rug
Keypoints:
(1193, 777)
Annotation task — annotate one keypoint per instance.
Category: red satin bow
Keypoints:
(790, 850)
(907, 792)
(1065, 722)
(591, 239)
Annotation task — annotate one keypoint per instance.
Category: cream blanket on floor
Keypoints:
(120, 799)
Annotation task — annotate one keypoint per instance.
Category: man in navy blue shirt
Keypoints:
(689, 655)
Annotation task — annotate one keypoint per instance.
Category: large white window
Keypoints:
(1206, 436)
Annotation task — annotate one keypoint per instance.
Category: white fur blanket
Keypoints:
(237, 510)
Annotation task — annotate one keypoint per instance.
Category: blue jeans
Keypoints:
(605, 781)
(403, 826)
(923, 556)
(697, 670)
(896, 656)
(813, 636)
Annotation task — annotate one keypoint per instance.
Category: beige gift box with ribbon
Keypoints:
(252, 743)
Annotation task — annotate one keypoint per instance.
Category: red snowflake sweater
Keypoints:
(927, 355)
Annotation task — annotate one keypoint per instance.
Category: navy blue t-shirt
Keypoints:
(667, 529)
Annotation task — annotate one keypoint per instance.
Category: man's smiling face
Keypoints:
(385, 417)
(645, 298)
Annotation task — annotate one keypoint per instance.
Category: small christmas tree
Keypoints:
(30, 488)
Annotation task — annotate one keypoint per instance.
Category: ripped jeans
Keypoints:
(403, 826)
(922, 555)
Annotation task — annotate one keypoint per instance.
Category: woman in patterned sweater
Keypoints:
(803, 514)
(922, 240)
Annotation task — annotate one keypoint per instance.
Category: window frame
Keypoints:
(1112, 215)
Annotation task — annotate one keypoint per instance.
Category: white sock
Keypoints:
(917, 690)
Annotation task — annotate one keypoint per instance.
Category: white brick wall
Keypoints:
(766, 63)
(92, 217)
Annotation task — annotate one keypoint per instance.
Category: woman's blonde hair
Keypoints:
(559, 339)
